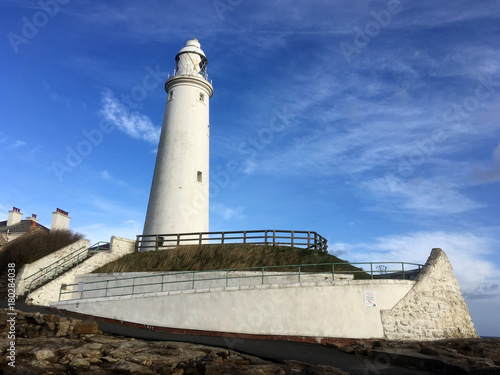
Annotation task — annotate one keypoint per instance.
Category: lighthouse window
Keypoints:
(170, 95)
(202, 97)
(199, 176)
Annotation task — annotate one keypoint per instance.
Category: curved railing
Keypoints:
(252, 276)
(294, 238)
(201, 74)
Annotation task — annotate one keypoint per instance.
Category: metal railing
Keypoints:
(62, 265)
(204, 75)
(163, 282)
(302, 239)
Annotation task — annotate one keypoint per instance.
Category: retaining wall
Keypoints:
(22, 285)
(430, 307)
(50, 292)
(323, 309)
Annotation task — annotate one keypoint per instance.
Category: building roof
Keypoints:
(22, 227)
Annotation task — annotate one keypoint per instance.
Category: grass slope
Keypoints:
(213, 257)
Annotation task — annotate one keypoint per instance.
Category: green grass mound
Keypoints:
(216, 257)
(35, 245)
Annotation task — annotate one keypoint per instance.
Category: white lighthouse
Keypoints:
(178, 202)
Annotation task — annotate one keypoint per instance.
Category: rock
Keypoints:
(124, 367)
(227, 369)
(77, 362)
(429, 350)
(46, 355)
(86, 327)
(109, 359)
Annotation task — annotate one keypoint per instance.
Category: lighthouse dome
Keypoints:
(192, 46)
(191, 60)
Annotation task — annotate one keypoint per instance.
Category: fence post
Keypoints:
(333, 271)
(222, 237)
(262, 275)
(291, 238)
(299, 273)
(133, 285)
(106, 290)
(274, 238)
(227, 272)
(244, 236)
(265, 237)
(162, 280)
(178, 239)
(308, 240)
(201, 236)
(371, 269)
(193, 281)
(403, 268)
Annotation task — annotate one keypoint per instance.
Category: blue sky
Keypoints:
(374, 123)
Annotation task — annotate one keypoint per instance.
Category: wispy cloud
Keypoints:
(434, 197)
(132, 123)
(484, 291)
(227, 213)
(468, 253)
(18, 144)
(55, 96)
(107, 176)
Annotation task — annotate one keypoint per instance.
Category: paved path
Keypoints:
(266, 349)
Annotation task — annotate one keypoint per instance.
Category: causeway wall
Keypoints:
(430, 307)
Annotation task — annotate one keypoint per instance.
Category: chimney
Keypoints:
(60, 220)
(33, 218)
(15, 216)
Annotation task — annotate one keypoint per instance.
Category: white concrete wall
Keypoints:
(27, 270)
(149, 282)
(50, 292)
(324, 309)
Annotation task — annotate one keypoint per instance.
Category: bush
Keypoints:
(34, 246)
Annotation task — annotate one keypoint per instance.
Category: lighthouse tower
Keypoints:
(178, 202)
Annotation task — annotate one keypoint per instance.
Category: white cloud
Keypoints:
(419, 195)
(131, 123)
(18, 144)
(468, 254)
(104, 230)
(227, 213)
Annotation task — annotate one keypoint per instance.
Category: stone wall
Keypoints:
(433, 309)
(35, 324)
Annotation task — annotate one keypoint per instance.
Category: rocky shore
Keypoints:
(52, 344)
(475, 356)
